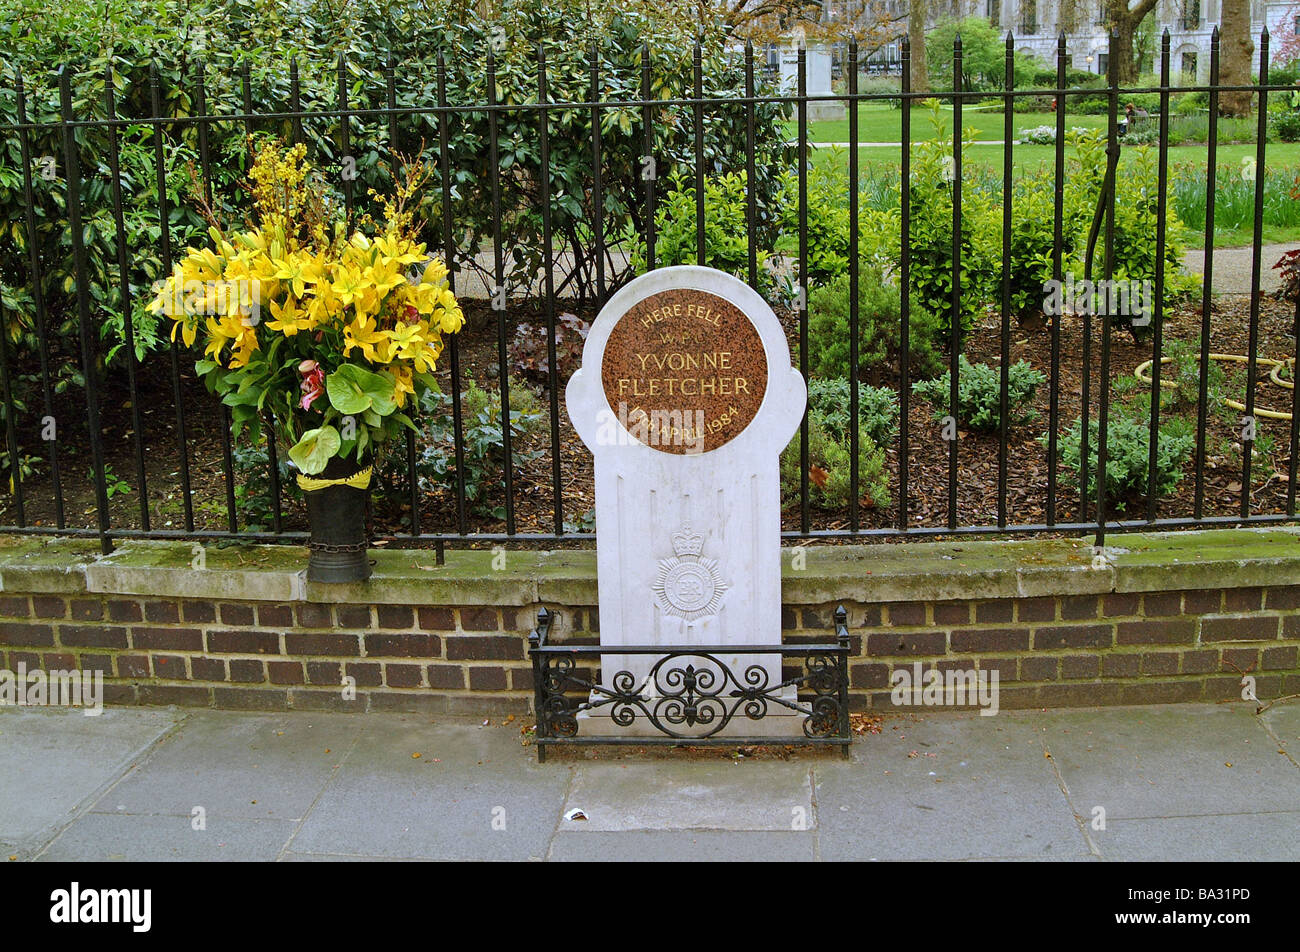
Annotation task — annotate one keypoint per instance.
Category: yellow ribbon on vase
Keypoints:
(358, 480)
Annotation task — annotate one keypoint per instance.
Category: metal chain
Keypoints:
(329, 547)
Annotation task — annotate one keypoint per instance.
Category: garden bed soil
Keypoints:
(928, 465)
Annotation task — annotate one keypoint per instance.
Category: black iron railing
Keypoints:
(689, 695)
(94, 197)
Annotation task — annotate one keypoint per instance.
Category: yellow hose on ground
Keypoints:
(1143, 373)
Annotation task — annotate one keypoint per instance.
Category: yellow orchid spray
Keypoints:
(331, 330)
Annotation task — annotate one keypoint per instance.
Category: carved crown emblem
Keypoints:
(687, 543)
(688, 586)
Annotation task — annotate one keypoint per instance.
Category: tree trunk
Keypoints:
(1126, 65)
(1237, 50)
(916, 37)
(1125, 23)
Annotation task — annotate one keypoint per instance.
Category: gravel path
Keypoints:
(1232, 267)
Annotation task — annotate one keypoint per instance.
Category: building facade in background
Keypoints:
(1036, 23)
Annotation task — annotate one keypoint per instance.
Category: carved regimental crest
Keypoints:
(688, 586)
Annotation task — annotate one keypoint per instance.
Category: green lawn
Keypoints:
(879, 175)
(879, 164)
(877, 122)
(1280, 155)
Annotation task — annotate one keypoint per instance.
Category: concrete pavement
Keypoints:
(1203, 782)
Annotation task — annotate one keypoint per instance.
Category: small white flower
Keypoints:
(1247, 169)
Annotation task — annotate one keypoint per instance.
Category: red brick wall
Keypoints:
(1082, 650)
(1128, 648)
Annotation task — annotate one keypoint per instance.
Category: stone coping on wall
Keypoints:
(812, 574)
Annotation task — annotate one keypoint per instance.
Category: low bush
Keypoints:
(1183, 371)
(979, 389)
(1286, 125)
(828, 401)
(484, 446)
(1046, 78)
(879, 329)
(827, 224)
(1128, 449)
(829, 473)
(1030, 264)
(726, 246)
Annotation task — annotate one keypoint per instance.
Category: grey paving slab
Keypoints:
(1169, 760)
(473, 793)
(1043, 858)
(689, 795)
(102, 837)
(1283, 723)
(651, 846)
(942, 786)
(289, 857)
(257, 766)
(945, 787)
(52, 760)
(1260, 837)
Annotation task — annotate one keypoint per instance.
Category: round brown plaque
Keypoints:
(684, 371)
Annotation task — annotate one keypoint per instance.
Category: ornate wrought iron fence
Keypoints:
(690, 696)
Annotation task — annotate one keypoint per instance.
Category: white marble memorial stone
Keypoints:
(686, 398)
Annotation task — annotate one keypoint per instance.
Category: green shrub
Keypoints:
(1030, 265)
(92, 36)
(931, 197)
(1074, 78)
(726, 245)
(827, 224)
(1183, 371)
(879, 328)
(979, 390)
(1286, 125)
(1136, 208)
(1128, 448)
(829, 483)
(1145, 134)
(484, 446)
(828, 402)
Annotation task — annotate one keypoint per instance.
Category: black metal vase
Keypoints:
(337, 517)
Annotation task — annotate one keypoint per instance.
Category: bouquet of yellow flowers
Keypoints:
(327, 330)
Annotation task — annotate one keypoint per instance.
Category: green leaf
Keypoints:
(315, 449)
(353, 390)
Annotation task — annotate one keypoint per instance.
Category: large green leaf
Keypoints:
(315, 449)
(353, 390)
